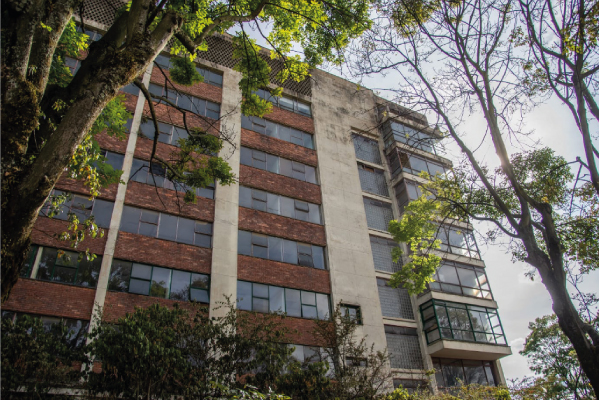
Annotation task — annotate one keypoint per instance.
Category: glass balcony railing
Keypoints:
(396, 132)
(443, 320)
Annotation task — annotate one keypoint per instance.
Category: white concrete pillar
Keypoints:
(115, 221)
(223, 275)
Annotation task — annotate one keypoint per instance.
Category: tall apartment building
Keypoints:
(305, 228)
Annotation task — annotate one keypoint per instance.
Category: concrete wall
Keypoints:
(338, 108)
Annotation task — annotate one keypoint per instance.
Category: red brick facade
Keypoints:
(169, 201)
(46, 230)
(282, 274)
(278, 147)
(201, 90)
(49, 298)
(73, 186)
(119, 304)
(163, 253)
(279, 184)
(276, 225)
(292, 119)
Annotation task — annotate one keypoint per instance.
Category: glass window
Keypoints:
(285, 102)
(155, 224)
(160, 282)
(296, 303)
(277, 249)
(279, 131)
(351, 312)
(457, 241)
(461, 322)
(67, 267)
(281, 166)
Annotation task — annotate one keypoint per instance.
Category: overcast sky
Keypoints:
(520, 300)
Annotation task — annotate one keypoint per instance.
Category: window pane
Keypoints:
(322, 306)
(185, 231)
(245, 197)
(185, 102)
(272, 163)
(82, 207)
(180, 285)
(168, 227)
(199, 295)
(64, 274)
(202, 240)
(318, 257)
(245, 243)
(138, 286)
(314, 214)
(275, 249)
(259, 290)
(308, 140)
(119, 276)
(276, 299)
(290, 252)
(467, 277)
(200, 281)
(310, 174)
(308, 298)
(260, 305)
(287, 207)
(292, 303)
(447, 274)
(46, 264)
(260, 251)
(246, 155)
(102, 212)
(161, 281)
(244, 296)
(309, 312)
(273, 203)
(285, 167)
(141, 271)
(88, 272)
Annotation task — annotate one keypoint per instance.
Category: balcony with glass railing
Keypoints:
(455, 328)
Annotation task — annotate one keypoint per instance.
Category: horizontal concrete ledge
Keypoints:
(455, 298)
(467, 350)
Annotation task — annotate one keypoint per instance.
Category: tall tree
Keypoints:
(455, 60)
(562, 37)
(549, 352)
(45, 122)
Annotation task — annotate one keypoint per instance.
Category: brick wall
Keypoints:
(275, 183)
(75, 186)
(170, 201)
(112, 143)
(45, 231)
(277, 225)
(173, 116)
(54, 299)
(292, 119)
(119, 304)
(164, 253)
(278, 147)
(276, 273)
(301, 332)
(201, 90)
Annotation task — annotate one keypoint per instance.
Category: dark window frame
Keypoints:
(150, 280)
(179, 219)
(248, 153)
(302, 303)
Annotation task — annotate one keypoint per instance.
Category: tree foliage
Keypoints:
(50, 118)
(460, 64)
(159, 352)
(38, 358)
(550, 353)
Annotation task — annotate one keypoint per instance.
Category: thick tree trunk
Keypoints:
(573, 327)
(24, 190)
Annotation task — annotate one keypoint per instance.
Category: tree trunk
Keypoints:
(26, 186)
(584, 341)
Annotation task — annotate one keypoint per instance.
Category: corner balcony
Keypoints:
(455, 330)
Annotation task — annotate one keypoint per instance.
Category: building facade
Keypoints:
(303, 229)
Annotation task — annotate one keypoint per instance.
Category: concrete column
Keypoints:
(223, 277)
(115, 221)
(338, 108)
